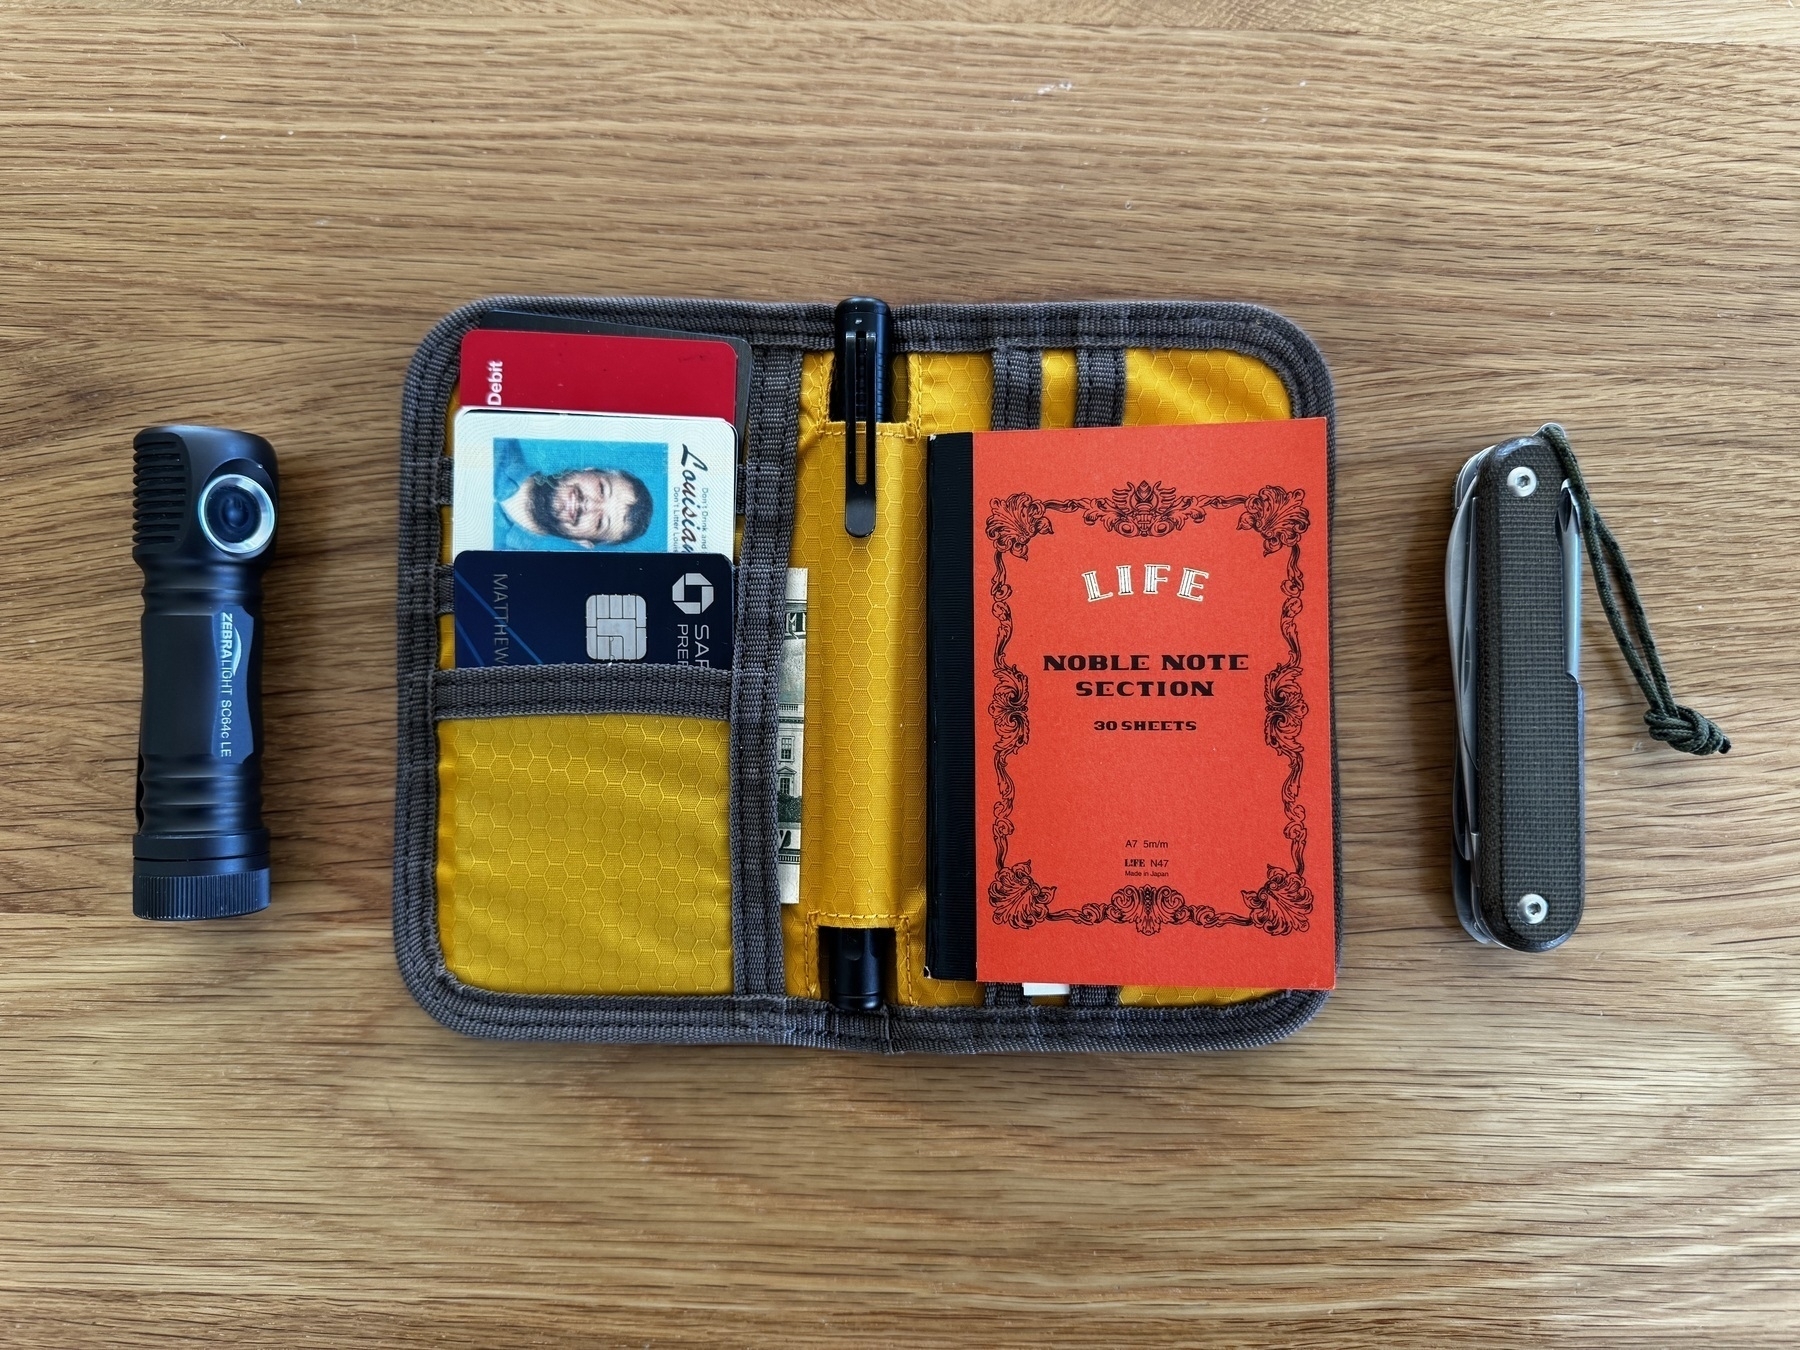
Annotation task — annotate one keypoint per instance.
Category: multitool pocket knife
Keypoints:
(1512, 588)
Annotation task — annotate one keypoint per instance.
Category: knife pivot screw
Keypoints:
(1523, 482)
(1533, 908)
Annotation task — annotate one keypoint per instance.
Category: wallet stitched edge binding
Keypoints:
(760, 1011)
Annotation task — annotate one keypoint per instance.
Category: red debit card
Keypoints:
(589, 372)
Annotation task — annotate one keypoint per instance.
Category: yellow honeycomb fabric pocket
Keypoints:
(863, 851)
(1164, 387)
(585, 854)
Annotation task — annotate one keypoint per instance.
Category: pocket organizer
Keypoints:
(589, 852)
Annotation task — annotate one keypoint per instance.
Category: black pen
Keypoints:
(852, 967)
(862, 394)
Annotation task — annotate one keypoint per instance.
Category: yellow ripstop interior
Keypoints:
(863, 809)
(862, 827)
(585, 855)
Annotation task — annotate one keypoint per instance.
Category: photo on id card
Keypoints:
(543, 481)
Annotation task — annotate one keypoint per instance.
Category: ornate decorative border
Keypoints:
(1283, 903)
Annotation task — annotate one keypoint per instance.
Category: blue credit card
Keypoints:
(526, 609)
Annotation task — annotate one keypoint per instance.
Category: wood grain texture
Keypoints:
(246, 1133)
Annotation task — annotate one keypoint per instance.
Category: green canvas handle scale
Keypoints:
(1528, 862)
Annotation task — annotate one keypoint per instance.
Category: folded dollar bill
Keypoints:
(790, 738)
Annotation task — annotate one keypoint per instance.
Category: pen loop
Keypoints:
(1676, 725)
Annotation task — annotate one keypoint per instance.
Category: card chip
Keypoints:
(616, 630)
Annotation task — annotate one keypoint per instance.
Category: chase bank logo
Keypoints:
(692, 594)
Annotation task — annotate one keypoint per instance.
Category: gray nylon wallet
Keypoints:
(759, 1010)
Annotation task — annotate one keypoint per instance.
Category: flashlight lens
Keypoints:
(233, 514)
(236, 514)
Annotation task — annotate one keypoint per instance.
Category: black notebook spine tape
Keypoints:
(950, 702)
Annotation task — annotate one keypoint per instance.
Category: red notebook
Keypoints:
(1153, 787)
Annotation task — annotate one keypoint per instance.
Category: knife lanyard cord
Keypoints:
(1674, 724)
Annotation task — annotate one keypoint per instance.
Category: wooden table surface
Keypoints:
(246, 1133)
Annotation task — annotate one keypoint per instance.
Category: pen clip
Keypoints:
(861, 395)
(859, 491)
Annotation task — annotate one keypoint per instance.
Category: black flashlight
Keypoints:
(204, 507)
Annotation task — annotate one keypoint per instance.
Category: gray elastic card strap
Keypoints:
(760, 1012)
